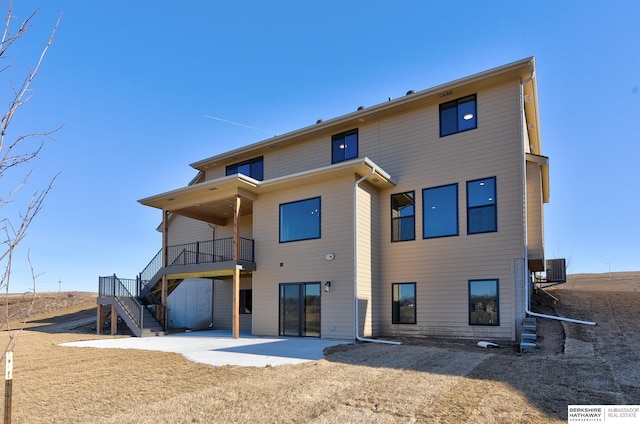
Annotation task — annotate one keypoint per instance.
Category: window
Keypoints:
(403, 216)
(458, 115)
(440, 211)
(253, 168)
(481, 206)
(344, 146)
(483, 302)
(300, 220)
(246, 301)
(404, 303)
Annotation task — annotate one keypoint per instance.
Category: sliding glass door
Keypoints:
(300, 309)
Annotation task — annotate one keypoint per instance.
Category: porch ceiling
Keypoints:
(213, 200)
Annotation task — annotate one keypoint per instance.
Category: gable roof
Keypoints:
(524, 70)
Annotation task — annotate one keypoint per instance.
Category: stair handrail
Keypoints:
(150, 270)
(127, 300)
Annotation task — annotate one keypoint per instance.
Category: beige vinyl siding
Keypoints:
(182, 230)
(442, 267)
(535, 231)
(304, 261)
(223, 302)
(368, 205)
(408, 146)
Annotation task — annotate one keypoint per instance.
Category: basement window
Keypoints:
(404, 303)
(483, 302)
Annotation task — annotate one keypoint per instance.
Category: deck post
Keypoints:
(165, 227)
(236, 273)
(114, 320)
(99, 321)
(163, 300)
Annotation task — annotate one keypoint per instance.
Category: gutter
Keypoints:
(355, 261)
(527, 280)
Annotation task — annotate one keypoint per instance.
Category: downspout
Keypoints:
(355, 261)
(527, 279)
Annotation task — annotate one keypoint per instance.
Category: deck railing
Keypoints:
(209, 251)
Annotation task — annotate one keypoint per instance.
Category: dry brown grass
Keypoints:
(422, 381)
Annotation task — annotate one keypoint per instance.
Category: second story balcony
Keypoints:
(209, 258)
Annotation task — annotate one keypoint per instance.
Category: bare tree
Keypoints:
(17, 154)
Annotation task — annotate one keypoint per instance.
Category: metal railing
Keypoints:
(152, 267)
(124, 290)
(210, 251)
(127, 291)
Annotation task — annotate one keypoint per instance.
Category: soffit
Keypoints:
(213, 201)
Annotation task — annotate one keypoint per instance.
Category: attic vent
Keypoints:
(556, 271)
(446, 93)
(527, 98)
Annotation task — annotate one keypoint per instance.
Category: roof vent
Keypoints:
(318, 121)
(360, 107)
(410, 92)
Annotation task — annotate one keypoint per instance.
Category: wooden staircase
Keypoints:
(120, 295)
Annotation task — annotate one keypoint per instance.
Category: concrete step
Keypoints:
(528, 337)
(529, 321)
(529, 327)
(527, 345)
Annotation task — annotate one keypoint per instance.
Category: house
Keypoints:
(421, 215)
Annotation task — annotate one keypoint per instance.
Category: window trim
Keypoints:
(455, 104)
(497, 282)
(494, 206)
(299, 201)
(336, 138)
(425, 209)
(400, 218)
(395, 313)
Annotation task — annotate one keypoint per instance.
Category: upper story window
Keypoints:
(253, 168)
(440, 211)
(300, 220)
(403, 216)
(344, 146)
(482, 210)
(458, 115)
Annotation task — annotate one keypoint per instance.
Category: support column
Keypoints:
(114, 320)
(165, 226)
(99, 321)
(236, 273)
(163, 299)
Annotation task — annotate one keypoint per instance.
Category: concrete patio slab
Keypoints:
(219, 348)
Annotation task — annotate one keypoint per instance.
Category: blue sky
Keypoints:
(132, 82)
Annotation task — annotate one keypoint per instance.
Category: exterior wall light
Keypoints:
(327, 286)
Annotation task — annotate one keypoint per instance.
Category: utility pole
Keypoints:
(59, 288)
